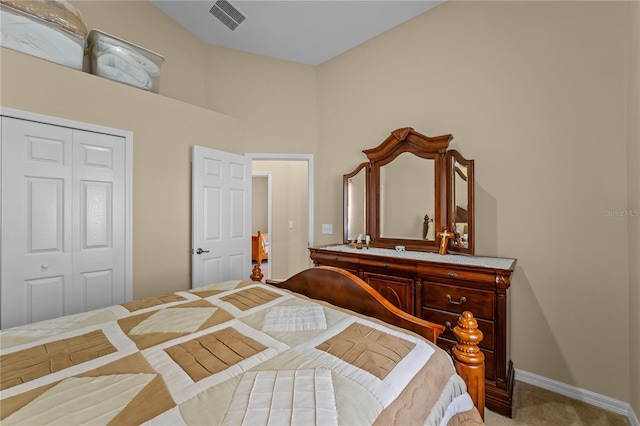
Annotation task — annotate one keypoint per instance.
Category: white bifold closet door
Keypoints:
(63, 221)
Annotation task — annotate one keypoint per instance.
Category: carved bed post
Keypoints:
(256, 273)
(468, 358)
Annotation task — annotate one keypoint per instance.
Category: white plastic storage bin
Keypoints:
(34, 36)
(119, 60)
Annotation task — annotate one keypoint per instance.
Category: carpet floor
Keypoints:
(534, 406)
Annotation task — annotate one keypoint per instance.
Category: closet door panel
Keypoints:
(99, 237)
(96, 206)
(36, 221)
(44, 214)
(45, 298)
(97, 286)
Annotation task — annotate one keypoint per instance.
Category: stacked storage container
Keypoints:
(119, 60)
(51, 30)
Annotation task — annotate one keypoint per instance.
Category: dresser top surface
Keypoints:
(453, 259)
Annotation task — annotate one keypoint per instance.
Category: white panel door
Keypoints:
(98, 217)
(36, 224)
(62, 221)
(221, 216)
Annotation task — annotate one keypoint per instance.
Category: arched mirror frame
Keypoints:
(435, 148)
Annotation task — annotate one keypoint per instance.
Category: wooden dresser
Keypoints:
(438, 288)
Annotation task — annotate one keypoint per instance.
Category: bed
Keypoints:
(242, 352)
(259, 247)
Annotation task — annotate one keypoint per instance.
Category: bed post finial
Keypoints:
(468, 358)
(256, 273)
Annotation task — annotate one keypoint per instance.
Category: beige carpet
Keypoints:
(534, 406)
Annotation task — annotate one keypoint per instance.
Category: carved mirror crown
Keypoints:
(412, 188)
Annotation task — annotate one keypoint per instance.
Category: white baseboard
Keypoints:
(592, 398)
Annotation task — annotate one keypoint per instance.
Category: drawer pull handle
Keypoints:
(452, 274)
(448, 325)
(386, 265)
(337, 258)
(453, 302)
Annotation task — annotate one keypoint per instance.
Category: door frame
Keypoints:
(128, 185)
(293, 157)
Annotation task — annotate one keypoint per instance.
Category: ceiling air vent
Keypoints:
(227, 14)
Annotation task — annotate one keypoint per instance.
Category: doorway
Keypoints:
(290, 210)
(261, 220)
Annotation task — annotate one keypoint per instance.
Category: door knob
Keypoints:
(200, 251)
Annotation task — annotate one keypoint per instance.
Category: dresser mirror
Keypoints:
(397, 188)
(414, 188)
(462, 201)
(355, 203)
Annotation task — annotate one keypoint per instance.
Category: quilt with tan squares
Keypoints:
(227, 354)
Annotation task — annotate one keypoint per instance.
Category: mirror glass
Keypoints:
(461, 203)
(407, 198)
(355, 200)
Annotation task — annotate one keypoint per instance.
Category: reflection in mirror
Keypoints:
(407, 210)
(461, 203)
(356, 203)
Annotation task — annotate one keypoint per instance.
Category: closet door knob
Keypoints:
(200, 251)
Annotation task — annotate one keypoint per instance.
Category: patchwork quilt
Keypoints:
(227, 354)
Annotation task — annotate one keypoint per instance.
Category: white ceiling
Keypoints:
(304, 31)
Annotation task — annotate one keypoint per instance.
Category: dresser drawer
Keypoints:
(441, 317)
(457, 274)
(337, 259)
(458, 299)
(489, 359)
(385, 266)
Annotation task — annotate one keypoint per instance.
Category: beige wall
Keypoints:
(633, 177)
(274, 99)
(538, 99)
(529, 90)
